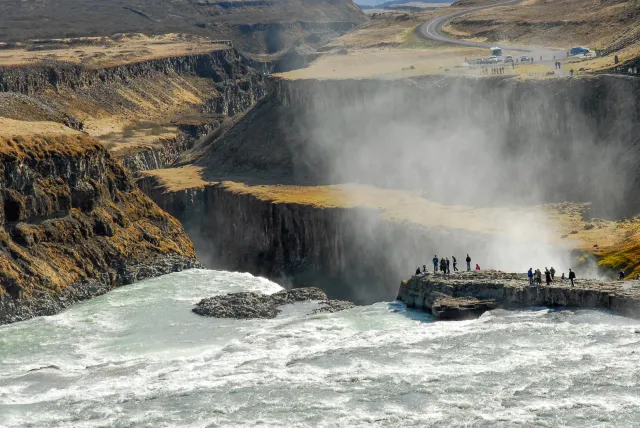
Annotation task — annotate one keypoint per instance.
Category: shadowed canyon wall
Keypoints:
(481, 143)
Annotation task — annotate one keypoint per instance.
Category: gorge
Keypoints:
(436, 165)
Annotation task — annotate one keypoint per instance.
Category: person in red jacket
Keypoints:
(477, 266)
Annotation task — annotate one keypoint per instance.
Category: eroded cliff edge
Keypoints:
(75, 226)
(467, 295)
(525, 142)
(146, 111)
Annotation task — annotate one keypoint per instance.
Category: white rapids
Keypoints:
(138, 357)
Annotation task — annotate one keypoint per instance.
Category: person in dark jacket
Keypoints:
(530, 276)
(435, 264)
(572, 276)
(443, 266)
(418, 271)
(621, 275)
(455, 263)
(468, 263)
(547, 276)
(448, 266)
(553, 273)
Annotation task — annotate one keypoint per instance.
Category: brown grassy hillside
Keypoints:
(255, 26)
(563, 23)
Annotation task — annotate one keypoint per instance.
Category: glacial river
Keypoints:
(138, 357)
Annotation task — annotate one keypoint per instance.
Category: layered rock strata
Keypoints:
(74, 226)
(469, 294)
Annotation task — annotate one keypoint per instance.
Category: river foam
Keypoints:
(138, 357)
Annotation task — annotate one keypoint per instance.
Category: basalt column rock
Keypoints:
(75, 226)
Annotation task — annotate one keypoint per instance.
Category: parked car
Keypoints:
(525, 58)
(492, 60)
(508, 58)
(480, 61)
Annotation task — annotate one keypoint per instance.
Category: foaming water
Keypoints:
(138, 357)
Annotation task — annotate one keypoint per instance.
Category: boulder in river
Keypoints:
(255, 305)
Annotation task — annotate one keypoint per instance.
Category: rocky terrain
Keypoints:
(75, 226)
(285, 223)
(254, 305)
(470, 294)
(146, 112)
(254, 26)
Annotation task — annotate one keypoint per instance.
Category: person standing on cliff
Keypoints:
(448, 266)
(468, 263)
(435, 264)
(530, 276)
(547, 276)
(572, 276)
(443, 266)
(553, 273)
(455, 263)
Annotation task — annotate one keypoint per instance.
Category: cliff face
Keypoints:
(462, 141)
(238, 87)
(194, 92)
(74, 225)
(351, 253)
(563, 139)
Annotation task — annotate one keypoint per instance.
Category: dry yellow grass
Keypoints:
(174, 179)
(12, 128)
(387, 63)
(111, 52)
(616, 243)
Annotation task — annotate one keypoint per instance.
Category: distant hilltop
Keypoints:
(264, 26)
(401, 4)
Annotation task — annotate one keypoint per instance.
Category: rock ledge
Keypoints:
(469, 294)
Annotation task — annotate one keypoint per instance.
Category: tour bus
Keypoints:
(497, 52)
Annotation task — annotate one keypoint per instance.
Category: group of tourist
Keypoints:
(535, 277)
(443, 265)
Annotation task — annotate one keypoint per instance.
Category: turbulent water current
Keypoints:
(138, 357)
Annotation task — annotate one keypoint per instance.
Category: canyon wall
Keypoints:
(195, 93)
(484, 140)
(351, 253)
(478, 142)
(74, 226)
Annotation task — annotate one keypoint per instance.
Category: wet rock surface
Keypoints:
(331, 306)
(44, 304)
(469, 294)
(254, 305)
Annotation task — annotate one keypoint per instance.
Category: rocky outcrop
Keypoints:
(350, 253)
(254, 305)
(221, 65)
(218, 85)
(470, 294)
(74, 226)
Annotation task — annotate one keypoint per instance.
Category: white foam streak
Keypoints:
(122, 363)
